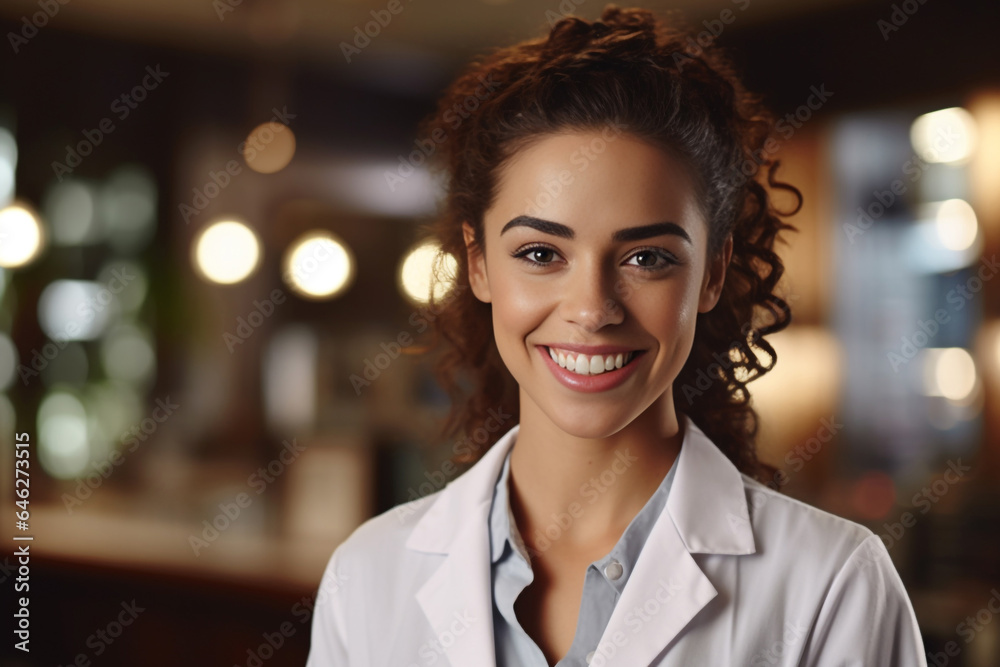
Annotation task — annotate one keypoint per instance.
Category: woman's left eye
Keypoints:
(649, 258)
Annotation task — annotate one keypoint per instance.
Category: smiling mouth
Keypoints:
(596, 364)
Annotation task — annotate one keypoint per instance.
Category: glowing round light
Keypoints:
(75, 309)
(226, 252)
(128, 208)
(21, 236)
(318, 265)
(425, 265)
(128, 278)
(69, 208)
(127, 354)
(956, 222)
(950, 372)
(269, 147)
(63, 444)
(948, 135)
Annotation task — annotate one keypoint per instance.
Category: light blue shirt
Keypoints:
(604, 582)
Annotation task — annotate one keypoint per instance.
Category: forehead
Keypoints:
(595, 180)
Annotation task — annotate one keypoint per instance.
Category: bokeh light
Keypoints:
(21, 236)
(949, 372)
(269, 147)
(947, 136)
(63, 442)
(417, 272)
(70, 209)
(318, 265)
(74, 309)
(956, 222)
(226, 252)
(127, 207)
(128, 354)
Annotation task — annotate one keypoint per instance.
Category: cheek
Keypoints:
(668, 314)
(517, 309)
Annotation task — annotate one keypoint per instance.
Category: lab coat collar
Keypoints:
(706, 512)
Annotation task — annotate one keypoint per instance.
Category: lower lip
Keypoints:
(590, 383)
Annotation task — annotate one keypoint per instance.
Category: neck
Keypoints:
(569, 493)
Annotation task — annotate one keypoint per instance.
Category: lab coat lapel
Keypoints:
(458, 598)
(706, 512)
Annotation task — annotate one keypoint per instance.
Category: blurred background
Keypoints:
(210, 256)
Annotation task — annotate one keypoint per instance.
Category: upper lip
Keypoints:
(591, 349)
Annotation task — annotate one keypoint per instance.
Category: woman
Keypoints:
(615, 270)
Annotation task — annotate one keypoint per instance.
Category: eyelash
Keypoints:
(521, 253)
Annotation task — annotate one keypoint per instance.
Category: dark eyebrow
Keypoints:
(626, 234)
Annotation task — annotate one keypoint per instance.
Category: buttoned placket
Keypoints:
(604, 581)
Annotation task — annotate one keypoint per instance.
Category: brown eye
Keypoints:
(535, 255)
(646, 259)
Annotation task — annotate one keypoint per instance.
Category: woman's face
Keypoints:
(595, 244)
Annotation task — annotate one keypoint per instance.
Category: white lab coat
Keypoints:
(732, 573)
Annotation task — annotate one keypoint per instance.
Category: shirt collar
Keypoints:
(708, 503)
(503, 527)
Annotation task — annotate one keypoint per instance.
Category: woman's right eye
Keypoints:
(535, 255)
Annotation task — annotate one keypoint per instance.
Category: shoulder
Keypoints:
(785, 526)
(383, 536)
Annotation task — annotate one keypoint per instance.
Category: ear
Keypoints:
(715, 277)
(478, 279)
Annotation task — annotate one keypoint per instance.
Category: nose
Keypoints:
(589, 298)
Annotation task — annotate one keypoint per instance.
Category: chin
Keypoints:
(590, 424)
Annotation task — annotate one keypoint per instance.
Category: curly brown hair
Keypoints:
(631, 69)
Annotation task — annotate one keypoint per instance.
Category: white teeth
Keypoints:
(583, 364)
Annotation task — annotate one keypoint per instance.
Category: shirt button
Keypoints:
(590, 656)
(613, 570)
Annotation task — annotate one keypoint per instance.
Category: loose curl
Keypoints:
(626, 68)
